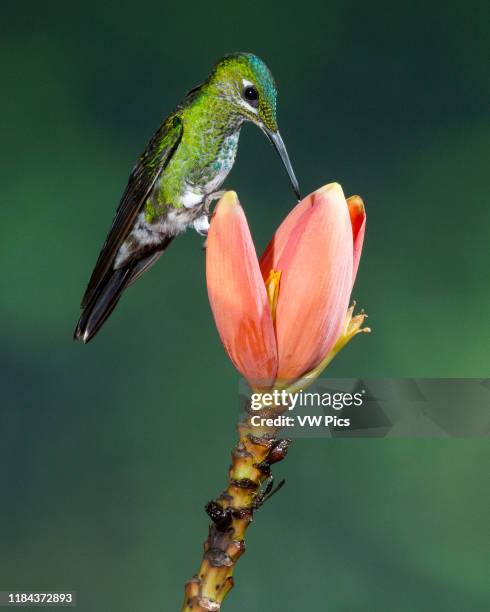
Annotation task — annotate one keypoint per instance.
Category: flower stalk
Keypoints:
(231, 514)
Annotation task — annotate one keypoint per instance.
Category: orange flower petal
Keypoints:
(357, 214)
(238, 296)
(274, 249)
(316, 261)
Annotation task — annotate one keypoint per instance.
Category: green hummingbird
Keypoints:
(178, 176)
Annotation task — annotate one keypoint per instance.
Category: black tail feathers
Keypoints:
(102, 304)
(107, 292)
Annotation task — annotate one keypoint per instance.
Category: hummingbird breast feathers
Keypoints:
(179, 194)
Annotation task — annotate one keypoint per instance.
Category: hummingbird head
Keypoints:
(248, 86)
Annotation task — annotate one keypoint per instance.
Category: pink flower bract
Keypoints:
(314, 255)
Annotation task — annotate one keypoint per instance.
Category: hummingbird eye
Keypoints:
(251, 95)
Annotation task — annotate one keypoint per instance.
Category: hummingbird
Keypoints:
(178, 176)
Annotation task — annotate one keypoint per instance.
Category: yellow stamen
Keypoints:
(272, 288)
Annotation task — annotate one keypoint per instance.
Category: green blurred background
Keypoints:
(110, 451)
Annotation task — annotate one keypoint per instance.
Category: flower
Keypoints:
(281, 318)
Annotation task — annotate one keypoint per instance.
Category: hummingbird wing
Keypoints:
(141, 181)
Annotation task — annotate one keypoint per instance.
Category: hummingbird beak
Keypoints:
(278, 143)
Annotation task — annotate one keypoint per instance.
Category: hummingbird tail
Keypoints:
(107, 294)
(102, 304)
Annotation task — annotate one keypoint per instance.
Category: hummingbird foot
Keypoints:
(209, 199)
(201, 225)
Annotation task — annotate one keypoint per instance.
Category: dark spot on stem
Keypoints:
(245, 483)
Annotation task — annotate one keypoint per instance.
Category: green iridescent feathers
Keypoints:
(228, 74)
(140, 184)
